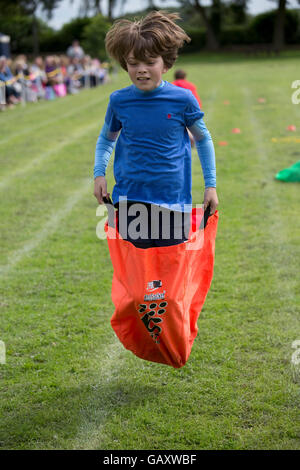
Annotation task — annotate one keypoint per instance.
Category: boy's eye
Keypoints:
(150, 62)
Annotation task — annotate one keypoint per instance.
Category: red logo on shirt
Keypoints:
(169, 116)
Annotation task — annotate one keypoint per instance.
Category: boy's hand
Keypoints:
(210, 198)
(100, 188)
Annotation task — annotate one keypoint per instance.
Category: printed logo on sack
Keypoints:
(152, 318)
(160, 296)
(153, 285)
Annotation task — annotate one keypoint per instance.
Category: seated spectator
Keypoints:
(48, 78)
(51, 73)
(12, 95)
(38, 77)
(86, 63)
(22, 72)
(94, 81)
(98, 72)
(59, 85)
(64, 64)
(103, 72)
(76, 75)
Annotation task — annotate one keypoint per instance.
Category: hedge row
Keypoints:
(258, 31)
(91, 32)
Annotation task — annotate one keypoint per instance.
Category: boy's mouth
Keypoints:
(143, 79)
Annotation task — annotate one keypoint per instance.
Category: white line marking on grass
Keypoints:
(263, 151)
(55, 119)
(36, 161)
(2, 352)
(49, 228)
(276, 229)
(96, 411)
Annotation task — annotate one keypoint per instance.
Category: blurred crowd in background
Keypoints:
(51, 77)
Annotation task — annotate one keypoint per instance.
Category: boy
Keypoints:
(180, 80)
(150, 118)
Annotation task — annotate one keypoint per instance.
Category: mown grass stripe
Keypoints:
(19, 113)
(56, 119)
(32, 165)
(46, 230)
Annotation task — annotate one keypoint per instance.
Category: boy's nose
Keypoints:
(142, 68)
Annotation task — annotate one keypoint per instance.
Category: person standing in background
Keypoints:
(75, 50)
(180, 80)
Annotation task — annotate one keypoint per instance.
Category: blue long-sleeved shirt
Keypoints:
(203, 141)
(153, 157)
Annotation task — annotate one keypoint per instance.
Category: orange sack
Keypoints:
(159, 292)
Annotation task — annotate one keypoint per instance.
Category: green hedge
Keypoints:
(198, 39)
(258, 31)
(261, 28)
(59, 41)
(19, 28)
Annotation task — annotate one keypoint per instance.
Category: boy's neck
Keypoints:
(145, 92)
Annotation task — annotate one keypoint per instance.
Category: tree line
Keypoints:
(207, 24)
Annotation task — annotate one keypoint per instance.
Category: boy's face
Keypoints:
(145, 75)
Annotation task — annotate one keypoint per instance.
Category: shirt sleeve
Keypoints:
(192, 111)
(111, 120)
(104, 148)
(206, 152)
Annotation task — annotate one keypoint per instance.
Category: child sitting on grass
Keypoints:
(149, 120)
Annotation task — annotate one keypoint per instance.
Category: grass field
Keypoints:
(67, 382)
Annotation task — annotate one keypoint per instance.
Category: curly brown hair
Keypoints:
(155, 35)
